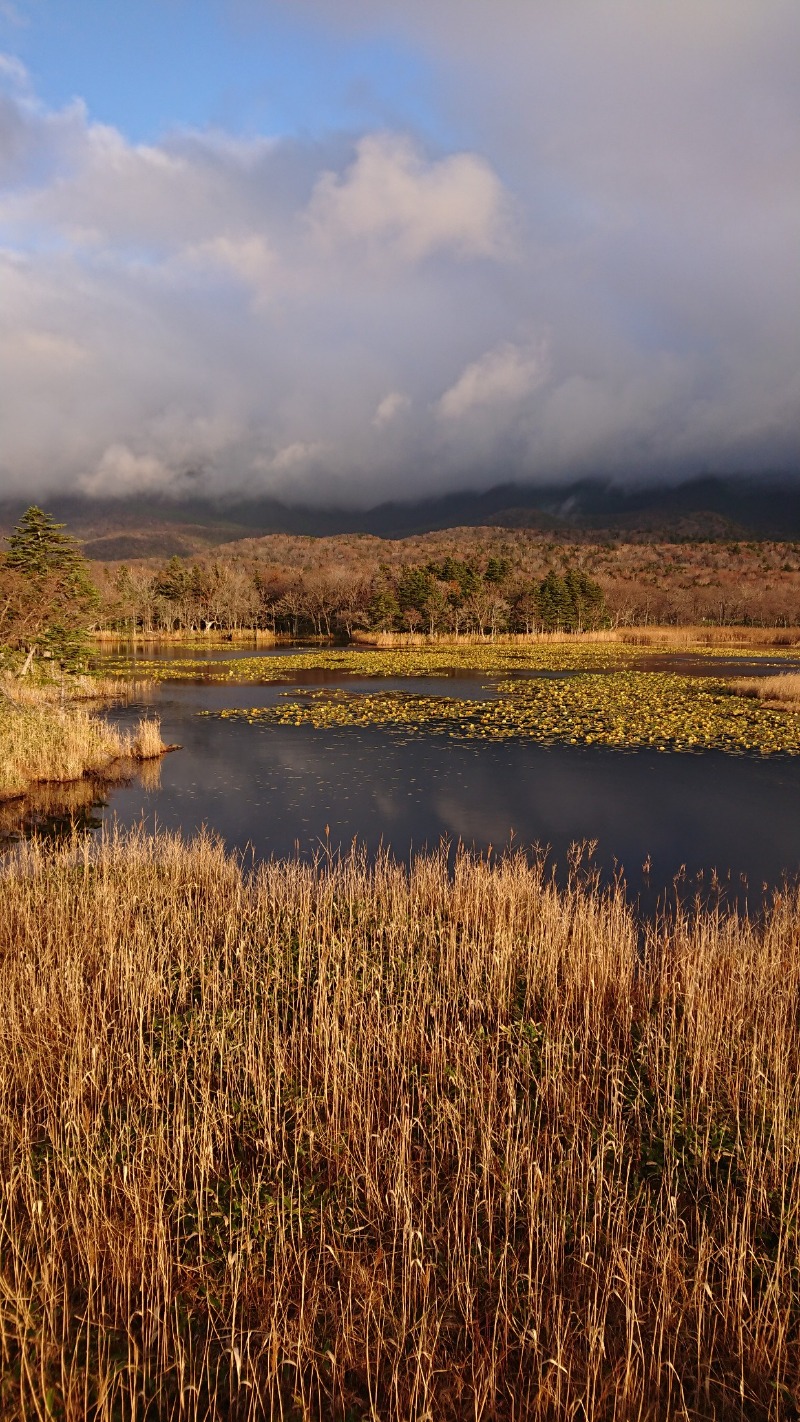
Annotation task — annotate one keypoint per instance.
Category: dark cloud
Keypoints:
(600, 278)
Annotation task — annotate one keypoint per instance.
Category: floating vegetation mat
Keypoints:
(629, 709)
(391, 662)
(489, 659)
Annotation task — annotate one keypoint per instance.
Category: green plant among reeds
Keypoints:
(361, 1140)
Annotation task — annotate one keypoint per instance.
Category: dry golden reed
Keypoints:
(40, 742)
(364, 1140)
(781, 689)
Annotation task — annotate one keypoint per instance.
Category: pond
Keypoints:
(702, 825)
(698, 821)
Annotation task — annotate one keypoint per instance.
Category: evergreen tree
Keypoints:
(59, 596)
(384, 610)
(573, 603)
(554, 603)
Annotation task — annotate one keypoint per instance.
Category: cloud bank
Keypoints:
(601, 278)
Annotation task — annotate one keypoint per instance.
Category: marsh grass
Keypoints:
(480, 639)
(364, 1140)
(75, 687)
(147, 743)
(707, 637)
(41, 740)
(255, 636)
(782, 689)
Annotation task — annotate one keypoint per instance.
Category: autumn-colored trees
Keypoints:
(438, 597)
(474, 581)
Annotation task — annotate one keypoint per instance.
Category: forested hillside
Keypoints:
(461, 580)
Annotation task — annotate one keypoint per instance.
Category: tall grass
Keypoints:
(479, 639)
(679, 637)
(782, 689)
(705, 635)
(42, 741)
(17, 691)
(355, 1140)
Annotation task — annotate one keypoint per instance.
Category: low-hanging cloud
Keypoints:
(500, 379)
(601, 280)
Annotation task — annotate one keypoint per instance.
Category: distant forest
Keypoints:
(479, 581)
(484, 582)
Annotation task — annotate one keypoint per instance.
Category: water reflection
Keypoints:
(706, 822)
(55, 811)
(275, 788)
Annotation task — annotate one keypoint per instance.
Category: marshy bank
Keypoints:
(359, 1139)
(46, 735)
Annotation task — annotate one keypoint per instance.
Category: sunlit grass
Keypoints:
(43, 690)
(363, 1140)
(783, 689)
(42, 740)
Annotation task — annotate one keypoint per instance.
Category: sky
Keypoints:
(380, 249)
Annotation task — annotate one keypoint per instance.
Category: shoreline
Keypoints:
(44, 741)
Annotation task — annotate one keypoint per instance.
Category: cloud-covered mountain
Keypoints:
(600, 279)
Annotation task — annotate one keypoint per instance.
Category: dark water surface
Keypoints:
(273, 790)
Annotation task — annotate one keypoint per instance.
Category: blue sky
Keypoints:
(339, 252)
(153, 65)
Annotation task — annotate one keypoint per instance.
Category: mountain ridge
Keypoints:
(705, 508)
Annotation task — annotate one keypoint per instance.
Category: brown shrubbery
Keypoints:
(376, 1141)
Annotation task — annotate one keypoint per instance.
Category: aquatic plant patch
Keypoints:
(489, 659)
(627, 709)
(391, 662)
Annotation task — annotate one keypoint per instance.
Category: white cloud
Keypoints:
(294, 456)
(349, 317)
(121, 473)
(500, 377)
(250, 259)
(50, 352)
(389, 408)
(11, 68)
(395, 201)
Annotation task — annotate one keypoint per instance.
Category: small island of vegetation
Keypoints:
(47, 605)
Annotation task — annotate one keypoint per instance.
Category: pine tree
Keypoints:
(59, 597)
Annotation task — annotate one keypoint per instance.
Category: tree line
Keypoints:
(49, 603)
(449, 597)
(339, 588)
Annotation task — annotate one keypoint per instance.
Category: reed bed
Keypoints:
(708, 637)
(75, 687)
(247, 636)
(41, 741)
(364, 1140)
(479, 639)
(782, 689)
